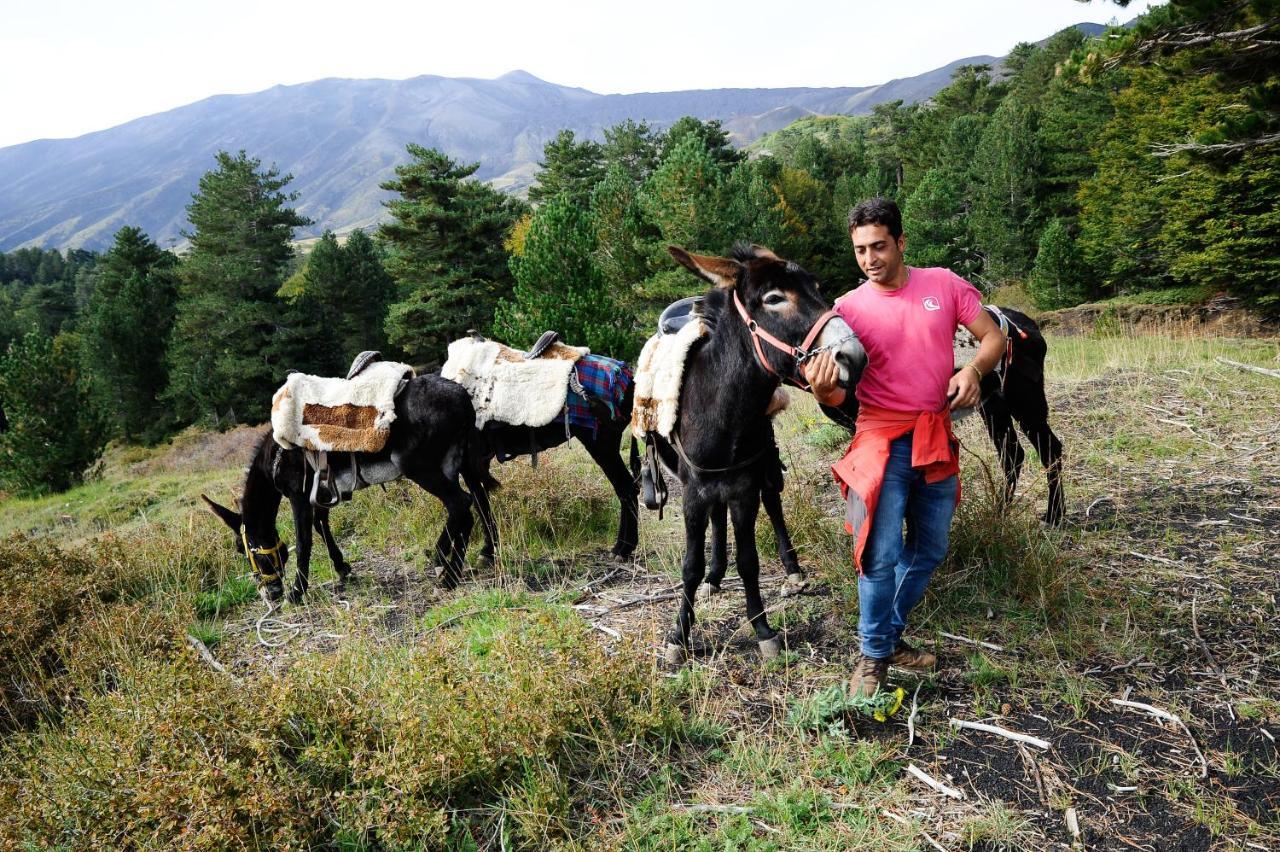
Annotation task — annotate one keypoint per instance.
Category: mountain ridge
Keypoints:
(341, 137)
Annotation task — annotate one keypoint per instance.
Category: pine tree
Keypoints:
(711, 137)
(1006, 216)
(682, 198)
(1058, 279)
(559, 287)
(232, 343)
(124, 331)
(445, 252)
(632, 147)
(54, 431)
(569, 168)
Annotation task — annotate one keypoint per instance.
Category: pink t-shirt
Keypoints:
(908, 336)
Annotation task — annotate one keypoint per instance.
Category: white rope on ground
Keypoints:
(275, 627)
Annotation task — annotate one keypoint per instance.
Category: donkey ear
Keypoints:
(228, 517)
(720, 271)
(764, 254)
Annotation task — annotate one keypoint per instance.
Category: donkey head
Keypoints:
(778, 298)
(266, 551)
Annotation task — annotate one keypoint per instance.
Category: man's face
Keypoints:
(878, 253)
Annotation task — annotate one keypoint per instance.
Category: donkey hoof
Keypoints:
(295, 597)
(674, 654)
(794, 584)
(484, 561)
(770, 648)
(707, 591)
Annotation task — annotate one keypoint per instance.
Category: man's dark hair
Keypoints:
(877, 211)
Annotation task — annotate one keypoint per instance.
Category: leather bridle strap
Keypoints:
(271, 553)
(801, 353)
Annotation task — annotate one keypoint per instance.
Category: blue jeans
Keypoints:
(895, 570)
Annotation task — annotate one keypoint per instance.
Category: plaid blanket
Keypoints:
(605, 381)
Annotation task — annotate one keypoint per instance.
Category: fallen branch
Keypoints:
(712, 809)
(205, 654)
(1003, 732)
(969, 641)
(1204, 647)
(911, 719)
(904, 821)
(1167, 716)
(1162, 560)
(1275, 374)
(933, 783)
(607, 631)
(1073, 826)
(665, 596)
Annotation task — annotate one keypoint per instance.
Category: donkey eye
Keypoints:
(774, 298)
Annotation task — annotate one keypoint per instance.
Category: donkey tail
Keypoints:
(475, 464)
(634, 459)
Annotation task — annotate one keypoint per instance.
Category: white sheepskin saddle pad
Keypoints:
(339, 415)
(658, 375)
(506, 388)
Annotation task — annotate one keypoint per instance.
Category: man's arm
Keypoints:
(964, 389)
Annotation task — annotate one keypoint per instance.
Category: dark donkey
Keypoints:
(603, 445)
(1014, 392)
(765, 316)
(430, 444)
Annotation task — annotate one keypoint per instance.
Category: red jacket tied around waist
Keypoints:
(934, 450)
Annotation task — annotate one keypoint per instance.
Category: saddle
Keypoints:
(513, 387)
(321, 415)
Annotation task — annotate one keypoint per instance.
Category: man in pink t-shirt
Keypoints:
(906, 318)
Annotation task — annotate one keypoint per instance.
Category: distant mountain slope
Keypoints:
(340, 138)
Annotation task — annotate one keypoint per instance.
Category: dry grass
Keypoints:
(528, 709)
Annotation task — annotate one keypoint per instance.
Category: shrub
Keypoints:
(368, 748)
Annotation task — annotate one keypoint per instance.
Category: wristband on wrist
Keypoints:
(975, 369)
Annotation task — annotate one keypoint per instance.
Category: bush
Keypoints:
(53, 431)
(368, 748)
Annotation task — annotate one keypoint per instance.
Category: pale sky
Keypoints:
(69, 67)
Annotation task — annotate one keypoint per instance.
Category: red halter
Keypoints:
(801, 353)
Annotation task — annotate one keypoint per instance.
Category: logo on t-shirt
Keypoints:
(931, 303)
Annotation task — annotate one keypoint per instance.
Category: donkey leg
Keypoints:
(478, 483)
(772, 501)
(744, 513)
(604, 451)
(302, 515)
(999, 423)
(719, 552)
(1049, 448)
(321, 524)
(451, 546)
(695, 539)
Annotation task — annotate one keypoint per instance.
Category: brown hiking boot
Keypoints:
(869, 676)
(914, 659)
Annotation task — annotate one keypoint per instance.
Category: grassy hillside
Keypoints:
(530, 709)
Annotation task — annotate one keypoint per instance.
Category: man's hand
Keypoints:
(964, 390)
(824, 379)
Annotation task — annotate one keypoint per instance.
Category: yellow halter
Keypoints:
(272, 554)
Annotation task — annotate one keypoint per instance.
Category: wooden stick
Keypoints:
(1159, 559)
(607, 631)
(1204, 647)
(1275, 374)
(933, 783)
(1004, 732)
(911, 719)
(205, 654)
(903, 820)
(1073, 826)
(1169, 717)
(969, 641)
(713, 809)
